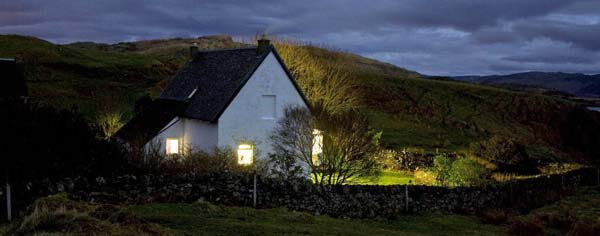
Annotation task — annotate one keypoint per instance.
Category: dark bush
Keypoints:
(585, 228)
(219, 160)
(43, 142)
(507, 153)
(527, 227)
(496, 216)
(562, 220)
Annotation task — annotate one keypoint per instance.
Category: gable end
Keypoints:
(249, 75)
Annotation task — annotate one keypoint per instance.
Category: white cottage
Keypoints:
(221, 98)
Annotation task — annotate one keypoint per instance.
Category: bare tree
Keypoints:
(347, 143)
(293, 138)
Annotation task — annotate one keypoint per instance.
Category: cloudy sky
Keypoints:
(436, 37)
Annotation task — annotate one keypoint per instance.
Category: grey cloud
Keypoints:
(583, 36)
(434, 37)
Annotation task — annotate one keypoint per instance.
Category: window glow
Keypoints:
(245, 154)
(172, 146)
(317, 148)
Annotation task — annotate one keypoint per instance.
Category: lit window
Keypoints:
(172, 146)
(317, 148)
(245, 153)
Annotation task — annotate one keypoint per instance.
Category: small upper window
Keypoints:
(172, 146)
(268, 106)
(245, 154)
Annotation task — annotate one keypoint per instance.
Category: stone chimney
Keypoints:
(193, 50)
(263, 45)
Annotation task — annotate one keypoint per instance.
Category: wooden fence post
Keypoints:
(254, 192)
(406, 197)
(8, 202)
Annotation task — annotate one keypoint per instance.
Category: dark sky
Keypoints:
(441, 37)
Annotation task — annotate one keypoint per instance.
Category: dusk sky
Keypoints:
(455, 37)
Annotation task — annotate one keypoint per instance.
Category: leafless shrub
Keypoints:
(109, 123)
(347, 143)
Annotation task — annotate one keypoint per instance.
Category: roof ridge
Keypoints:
(225, 49)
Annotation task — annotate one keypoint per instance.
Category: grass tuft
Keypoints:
(57, 215)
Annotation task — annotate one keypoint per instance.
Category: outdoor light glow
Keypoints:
(245, 153)
(317, 148)
(172, 146)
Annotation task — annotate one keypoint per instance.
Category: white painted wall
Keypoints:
(192, 134)
(200, 135)
(249, 117)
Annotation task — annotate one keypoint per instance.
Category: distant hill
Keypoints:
(577, 84)
(411, 111)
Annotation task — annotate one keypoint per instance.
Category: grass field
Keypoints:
(56, 215)
(206, 219)
(386, 177)
(60, 216)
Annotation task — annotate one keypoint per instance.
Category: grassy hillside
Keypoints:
(99, 77)
(450, 115)
(411, 111)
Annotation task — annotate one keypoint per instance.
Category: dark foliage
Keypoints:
(497, 216)
(507, 153)
(197, 162)
(42, 142)
(13, 80)
(585, 229)
(142, 104)
(527, 227)
(285, 167)
(579, 129)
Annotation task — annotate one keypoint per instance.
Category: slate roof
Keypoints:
(218, 76)
(143, 127)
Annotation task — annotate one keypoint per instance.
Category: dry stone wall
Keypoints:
(354, 201)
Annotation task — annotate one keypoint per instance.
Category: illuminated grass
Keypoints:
(386, 177)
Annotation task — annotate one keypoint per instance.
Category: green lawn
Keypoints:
(207, 219)
(386, 177)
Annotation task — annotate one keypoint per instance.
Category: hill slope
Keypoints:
(576, 84)
(411, 111)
